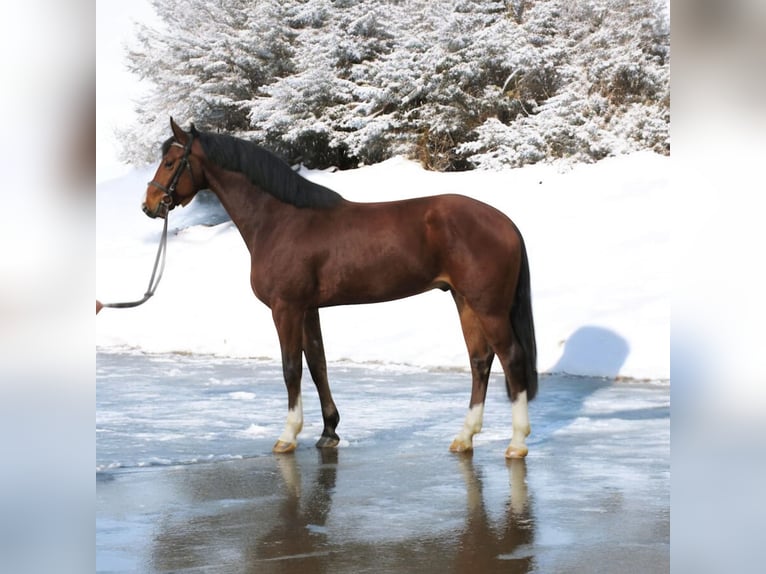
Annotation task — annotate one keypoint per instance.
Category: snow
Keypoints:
(597, 235)
(598, 239)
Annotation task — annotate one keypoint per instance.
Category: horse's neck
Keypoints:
(245, 203)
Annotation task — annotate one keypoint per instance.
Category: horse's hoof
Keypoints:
(516, 451)
(327, 442)
(283, 447)
(460, 446)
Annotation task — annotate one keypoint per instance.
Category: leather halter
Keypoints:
(169, 199)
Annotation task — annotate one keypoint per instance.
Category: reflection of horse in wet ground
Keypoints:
(487, 548)
(310, 248)
(284, 516)
(297, 542)
(247, 516)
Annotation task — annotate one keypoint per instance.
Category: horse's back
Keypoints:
(456, 234)
(452, 212)
(372, 252)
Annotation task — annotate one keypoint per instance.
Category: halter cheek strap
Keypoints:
(185, 159)
(169, 191)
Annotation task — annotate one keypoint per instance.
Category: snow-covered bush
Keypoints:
(457, 84)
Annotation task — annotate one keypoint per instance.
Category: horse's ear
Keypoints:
(178, 133)
(193, 130)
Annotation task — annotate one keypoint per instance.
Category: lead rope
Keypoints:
(159, 262)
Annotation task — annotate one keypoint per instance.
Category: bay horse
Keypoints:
(311, 248)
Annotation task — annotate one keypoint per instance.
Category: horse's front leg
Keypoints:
(289, 323)
(315, 357)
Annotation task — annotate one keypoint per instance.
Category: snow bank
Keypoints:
(597, 235)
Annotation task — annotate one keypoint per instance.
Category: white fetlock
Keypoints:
(521, 428)
(473, 421)
(288, 440)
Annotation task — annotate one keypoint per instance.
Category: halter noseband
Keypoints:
(168, 199)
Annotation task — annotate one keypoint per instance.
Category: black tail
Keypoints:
(523, 325)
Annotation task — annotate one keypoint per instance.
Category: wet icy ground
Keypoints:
(186, 482)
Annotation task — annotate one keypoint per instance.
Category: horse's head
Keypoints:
(179, 177)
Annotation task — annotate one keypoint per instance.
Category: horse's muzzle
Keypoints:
(163, 207)
(161, 211)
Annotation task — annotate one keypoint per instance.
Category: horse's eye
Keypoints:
(168, 164)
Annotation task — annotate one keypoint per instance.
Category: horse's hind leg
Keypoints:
(313, 348)
(514, 373)
(481, 356)
(511, 355)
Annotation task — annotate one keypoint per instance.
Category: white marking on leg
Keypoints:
(290, 474)
(517, 473)
(472, 425)
(520, 420)
(294, 423)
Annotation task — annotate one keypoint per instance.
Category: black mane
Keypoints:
(266, 170)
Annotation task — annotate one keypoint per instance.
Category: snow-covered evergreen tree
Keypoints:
(205, 64)
(323, 113)
(599, 73)
(455, 83)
